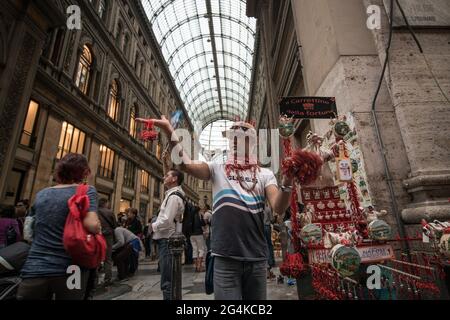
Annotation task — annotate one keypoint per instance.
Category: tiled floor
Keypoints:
(145, 286)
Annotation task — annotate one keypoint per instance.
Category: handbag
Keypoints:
(209, 274)
(86, 249)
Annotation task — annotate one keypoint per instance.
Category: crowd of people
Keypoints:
(44, 273)
(237, 231)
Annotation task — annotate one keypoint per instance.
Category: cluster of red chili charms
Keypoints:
(292, 266)
(149, 134)
(323, 284)
(303, 165)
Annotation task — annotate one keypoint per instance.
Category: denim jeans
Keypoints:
(239, 280)
(165, 264)
(270, 254)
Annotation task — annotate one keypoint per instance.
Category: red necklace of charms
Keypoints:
(239, 168)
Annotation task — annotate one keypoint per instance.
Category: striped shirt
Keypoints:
(237, 224)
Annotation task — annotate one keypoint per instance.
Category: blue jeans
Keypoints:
(165, 265)
(239, 280)
(270, 254)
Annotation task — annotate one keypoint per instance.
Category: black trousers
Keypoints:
(122, 258)
(45, 288)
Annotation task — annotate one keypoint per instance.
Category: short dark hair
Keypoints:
(7, 211)
(72, 168)
(102, 202)
(133, 211)
(26, 202)
(180, 176)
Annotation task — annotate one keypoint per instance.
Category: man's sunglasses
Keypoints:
(239, 127)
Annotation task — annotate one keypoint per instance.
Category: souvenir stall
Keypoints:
(340, 238)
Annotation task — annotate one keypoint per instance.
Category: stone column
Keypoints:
(94, 159)
(119, 183)
(27, 37)
(151, 192)
(423, 113)
(47, 156)
(137, 188)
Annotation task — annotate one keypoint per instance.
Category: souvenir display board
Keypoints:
(339, 229)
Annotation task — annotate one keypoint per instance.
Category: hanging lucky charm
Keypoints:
(286, 127)
(311, 233)
(345, 260)
(149, 133)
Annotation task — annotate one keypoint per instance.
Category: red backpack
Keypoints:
(86, 249)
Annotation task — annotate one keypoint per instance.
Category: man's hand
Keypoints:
(164, 125)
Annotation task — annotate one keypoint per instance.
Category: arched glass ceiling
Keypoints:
(213, 143)
(208, 45)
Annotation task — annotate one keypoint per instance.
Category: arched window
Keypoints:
(84, 70)
(101, 8)
(133, 126)
(114, 101)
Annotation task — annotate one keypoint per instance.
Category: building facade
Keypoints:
(81, 91)
(324, 48)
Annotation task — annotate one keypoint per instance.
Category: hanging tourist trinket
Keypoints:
(345, 260)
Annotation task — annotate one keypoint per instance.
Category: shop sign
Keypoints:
(308, 107)
(367, 254)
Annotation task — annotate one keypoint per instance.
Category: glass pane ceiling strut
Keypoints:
(208, 45)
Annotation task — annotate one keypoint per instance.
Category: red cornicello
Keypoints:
(303, 165)
(148, 134)
(292, 266)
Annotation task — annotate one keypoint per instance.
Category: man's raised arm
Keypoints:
(199, 170)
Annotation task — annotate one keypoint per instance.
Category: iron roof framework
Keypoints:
(208, 45)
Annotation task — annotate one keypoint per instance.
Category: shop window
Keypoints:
(28, 131)
(106, 166)
(124, 205)
(71, 140)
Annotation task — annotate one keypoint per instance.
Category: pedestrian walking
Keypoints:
(198, 240)
(45, 272)
(169, 216)
(207, 215)
(109, 224)
(268, 220)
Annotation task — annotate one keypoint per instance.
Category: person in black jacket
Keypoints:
(133, 223)
(198, 241)
(109, 223)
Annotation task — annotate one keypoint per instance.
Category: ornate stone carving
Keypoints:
(16, 90)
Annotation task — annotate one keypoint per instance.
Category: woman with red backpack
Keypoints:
(65, 227)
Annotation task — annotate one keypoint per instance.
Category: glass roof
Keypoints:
(208, 45)
(213, 143)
